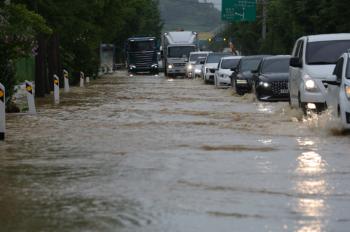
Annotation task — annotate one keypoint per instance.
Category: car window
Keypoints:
(249, 64)
(275, 66)
(296, 51)
(229, 63)
(338, 70)
(348, 69)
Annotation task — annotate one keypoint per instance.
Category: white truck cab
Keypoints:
(338, 91)
(312, 63)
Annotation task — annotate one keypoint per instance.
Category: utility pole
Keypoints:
(264, 19)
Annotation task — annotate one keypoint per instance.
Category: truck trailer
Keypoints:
(177, 46)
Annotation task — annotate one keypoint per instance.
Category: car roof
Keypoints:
(200, 52)
(327, 37)
(219, 53)
(141, 38)
(255, 57)
(231, 57)
(277, 57)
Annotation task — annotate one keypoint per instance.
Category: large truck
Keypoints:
(177, 46)
(141, 55)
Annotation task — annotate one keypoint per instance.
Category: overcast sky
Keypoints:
(217, 3)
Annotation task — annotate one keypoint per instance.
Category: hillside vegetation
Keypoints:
(188, 15)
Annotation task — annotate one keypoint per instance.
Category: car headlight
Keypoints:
(310, 84)
(264, 84)
(347, 91)
(132, 66)
(197, 70)
(170, 66)
(154, 66)
(189, 67)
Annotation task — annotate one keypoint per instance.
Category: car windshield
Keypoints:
(135, 46)
(249, 64)
(200, 59)
(325, 52)
(180, 52)
(229, 63)
(215, 58)
(194, 57)
(275, 66)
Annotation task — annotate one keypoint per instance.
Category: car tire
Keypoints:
(302, 105)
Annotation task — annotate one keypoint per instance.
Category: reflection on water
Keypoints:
(311, 205)
(310, 163)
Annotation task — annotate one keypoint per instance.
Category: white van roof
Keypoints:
(328, 37)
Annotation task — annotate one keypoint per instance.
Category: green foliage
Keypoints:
(18, 28)
(288, 20)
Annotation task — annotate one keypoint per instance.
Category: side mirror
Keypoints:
(234, 69)
(202, 62)
(295, 62)
(332, 80)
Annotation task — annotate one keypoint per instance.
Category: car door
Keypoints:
(334, 88)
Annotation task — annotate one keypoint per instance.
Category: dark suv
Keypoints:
(242, 76)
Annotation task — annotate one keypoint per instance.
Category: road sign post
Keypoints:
(238, 10)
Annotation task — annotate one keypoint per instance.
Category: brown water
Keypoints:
(155, 154)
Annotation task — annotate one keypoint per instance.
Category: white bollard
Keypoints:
(66, 80)
(30, 98)
(56, 92)
(87, 80)
(81, 79)
(2, 113)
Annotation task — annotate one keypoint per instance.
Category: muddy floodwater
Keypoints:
(153, 154)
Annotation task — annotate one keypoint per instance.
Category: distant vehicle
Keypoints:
(141, 55)
(177, 46)
(338, 91)
(190, 65)
(198, 66)
(107, 58)
(222, 75)
(271, 79)
(210, 66)
(242, 76)
(312, 63)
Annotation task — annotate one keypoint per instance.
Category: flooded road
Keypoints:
(155, 154)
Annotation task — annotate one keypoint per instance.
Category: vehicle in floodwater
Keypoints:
(141, 55)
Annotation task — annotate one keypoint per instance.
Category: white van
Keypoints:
(312, 63)
(338, 91)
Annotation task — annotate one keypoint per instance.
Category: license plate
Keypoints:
(284, 91)
(241, 81)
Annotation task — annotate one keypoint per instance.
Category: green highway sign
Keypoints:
(238, 10)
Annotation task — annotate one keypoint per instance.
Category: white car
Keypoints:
(338, 91)
(190, 66)
(210, 66)
(312, 63)
(222, 75)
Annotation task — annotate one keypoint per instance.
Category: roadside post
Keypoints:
(87, 80)
(81, 79)
(2, 112)
(56, 83)
(30, 98)
(66, 80)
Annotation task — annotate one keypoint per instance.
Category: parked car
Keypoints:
(190, 66)
(242, 76)
(210, 66)
(271, 79)
(223, 73)
(312, 63)
(338, 91)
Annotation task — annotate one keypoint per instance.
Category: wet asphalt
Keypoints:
(148, 153)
